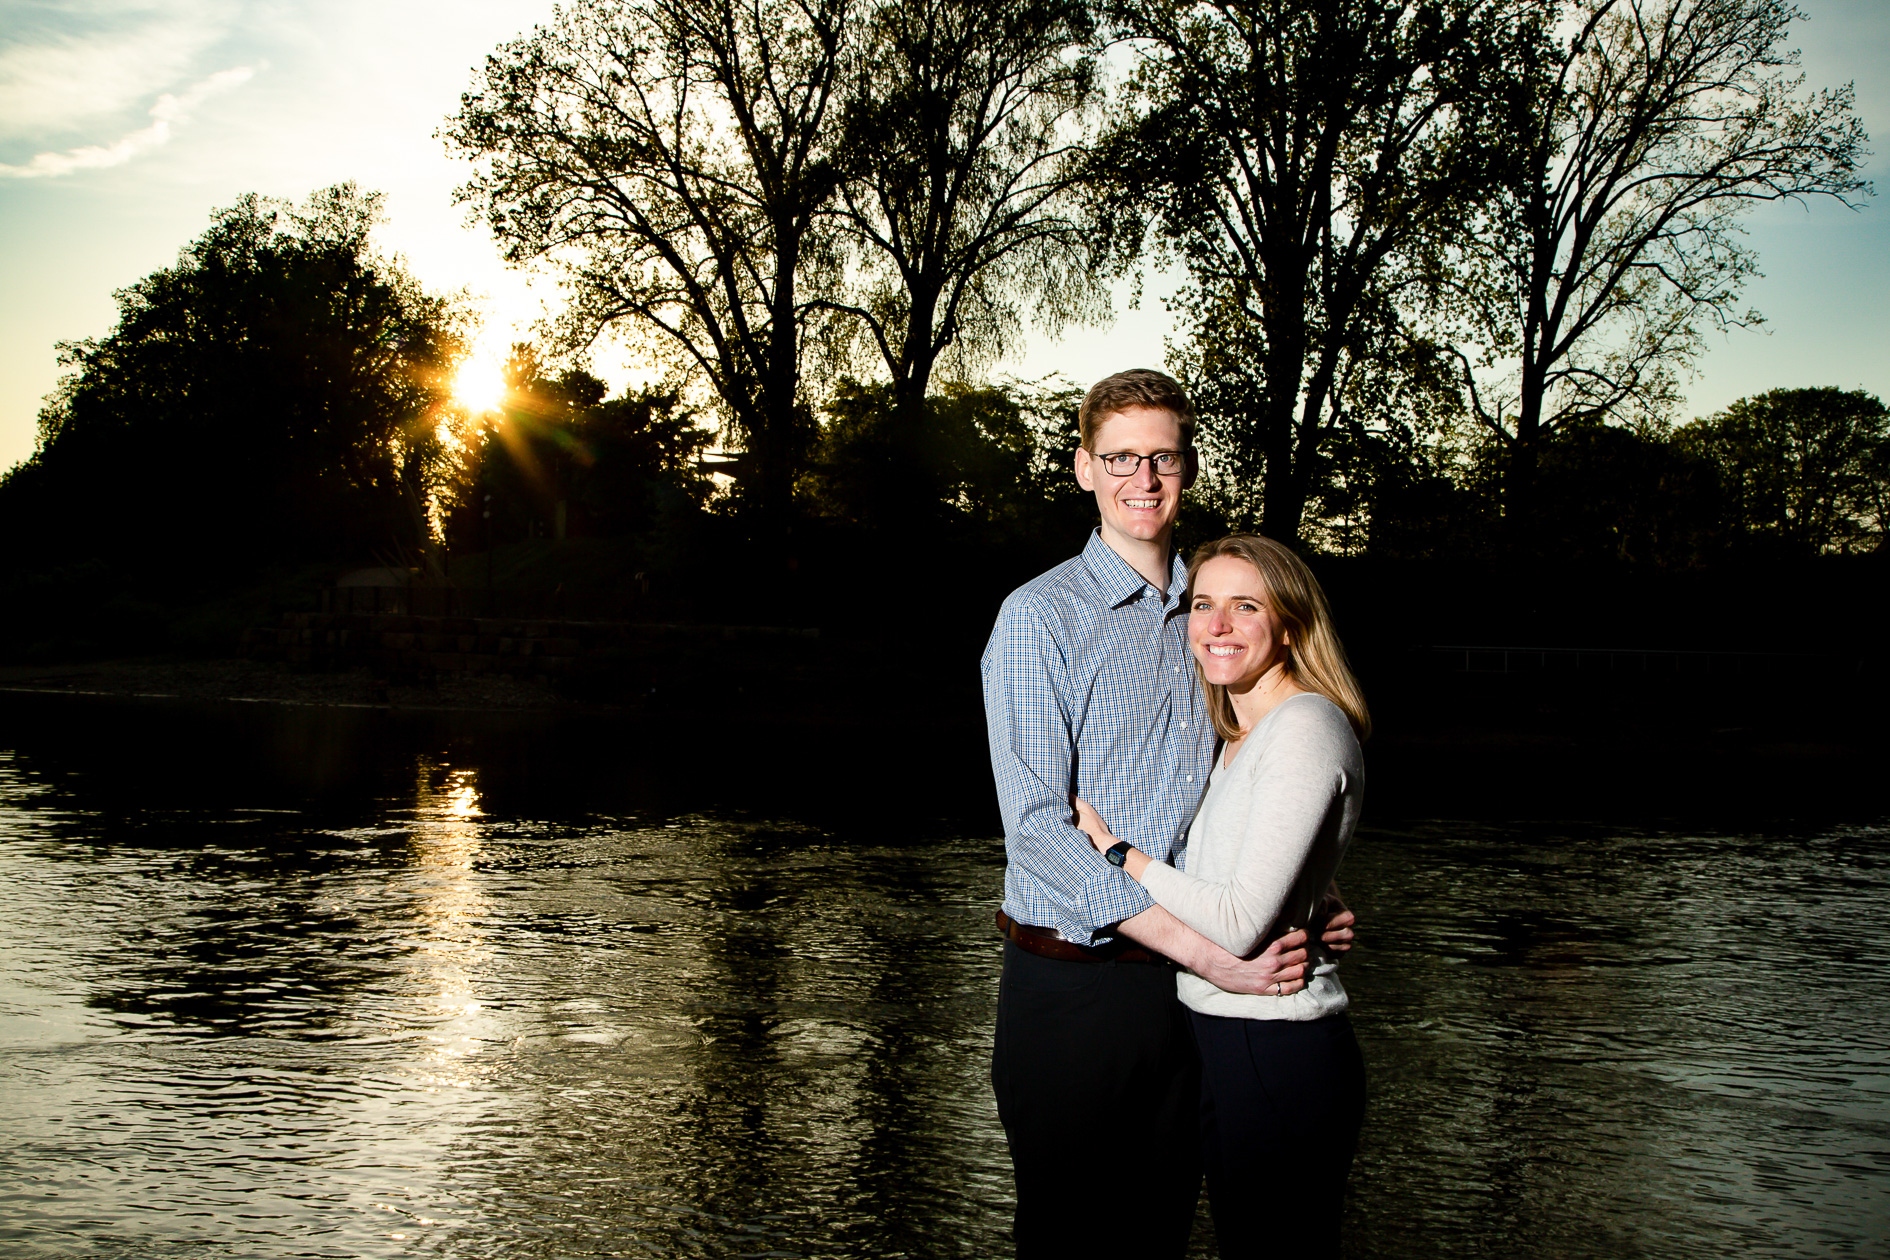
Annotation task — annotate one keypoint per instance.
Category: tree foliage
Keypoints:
(1445, 259)
(1611, 494)
(560, 459)
(996, 463)
(1641, 130)
(276, 393)
(676, 158)
(964, 145)
(1301, 160)
(1393, 214)
(768, 189)
(1805, 471)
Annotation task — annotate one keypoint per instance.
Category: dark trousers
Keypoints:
(1096, 1082)
(1281, 1106)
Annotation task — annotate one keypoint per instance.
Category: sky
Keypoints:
(124, 123)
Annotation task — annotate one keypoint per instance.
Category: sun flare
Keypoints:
(479, 385)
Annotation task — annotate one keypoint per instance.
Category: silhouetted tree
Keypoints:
(1398, 475)
(1301, 159)
(1622, 496)
(1805, 469)
(963, 146)
(675, 158)
(275, 394)
(1640, 130)
(996, 460)
(558, 459)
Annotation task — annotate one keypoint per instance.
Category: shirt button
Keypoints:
(1191, 778)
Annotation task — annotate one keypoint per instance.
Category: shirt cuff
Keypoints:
(1110, 895)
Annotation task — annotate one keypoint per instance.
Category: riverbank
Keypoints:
(870, 732)
(240, 681)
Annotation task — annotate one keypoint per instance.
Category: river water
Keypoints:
(316, 986)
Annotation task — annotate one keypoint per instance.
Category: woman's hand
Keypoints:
(1089, 821)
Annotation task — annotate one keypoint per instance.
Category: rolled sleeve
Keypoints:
(1068, 885)
(1088, 688)
(1112, 895)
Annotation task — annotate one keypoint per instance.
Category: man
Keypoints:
(1089, 690)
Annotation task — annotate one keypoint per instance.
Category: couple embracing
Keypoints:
(1176, 750)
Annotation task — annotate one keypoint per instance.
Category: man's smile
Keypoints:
(1138, 508)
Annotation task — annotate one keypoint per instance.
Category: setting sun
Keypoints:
(479, 386)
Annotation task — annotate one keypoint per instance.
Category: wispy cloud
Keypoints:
(169, 111)
(68, 66)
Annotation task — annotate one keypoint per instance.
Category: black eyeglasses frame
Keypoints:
(1106, 458)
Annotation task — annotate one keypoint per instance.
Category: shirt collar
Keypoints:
(1118, 579)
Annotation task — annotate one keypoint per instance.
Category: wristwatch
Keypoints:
(1117, 853)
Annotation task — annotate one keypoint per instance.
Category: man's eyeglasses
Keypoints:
(1124, 463)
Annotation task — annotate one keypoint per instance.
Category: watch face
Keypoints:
(1118, 853)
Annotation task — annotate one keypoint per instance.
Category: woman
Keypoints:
(1280, 1073)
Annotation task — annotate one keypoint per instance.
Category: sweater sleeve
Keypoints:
(1292, 788)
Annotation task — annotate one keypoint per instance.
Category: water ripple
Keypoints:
(419, 1028)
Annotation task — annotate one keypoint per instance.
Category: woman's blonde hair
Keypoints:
(1314, 657)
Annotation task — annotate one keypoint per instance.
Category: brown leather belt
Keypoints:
(1045, 942)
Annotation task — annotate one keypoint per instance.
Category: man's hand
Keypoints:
(1334, 922)
(1276, 971)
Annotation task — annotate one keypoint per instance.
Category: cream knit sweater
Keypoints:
(1264, 845)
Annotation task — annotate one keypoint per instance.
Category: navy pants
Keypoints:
(1096, 1082)
(1281, 1106)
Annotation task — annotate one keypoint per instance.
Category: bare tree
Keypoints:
(965, 131)
(1300, 158)
(1642, 130)
(675, 159)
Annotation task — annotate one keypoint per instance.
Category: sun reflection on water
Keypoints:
(452, 953)
(459, 1030)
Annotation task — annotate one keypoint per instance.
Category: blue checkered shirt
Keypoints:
(1089, 688)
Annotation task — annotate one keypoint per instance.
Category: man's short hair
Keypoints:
(1137, 387)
